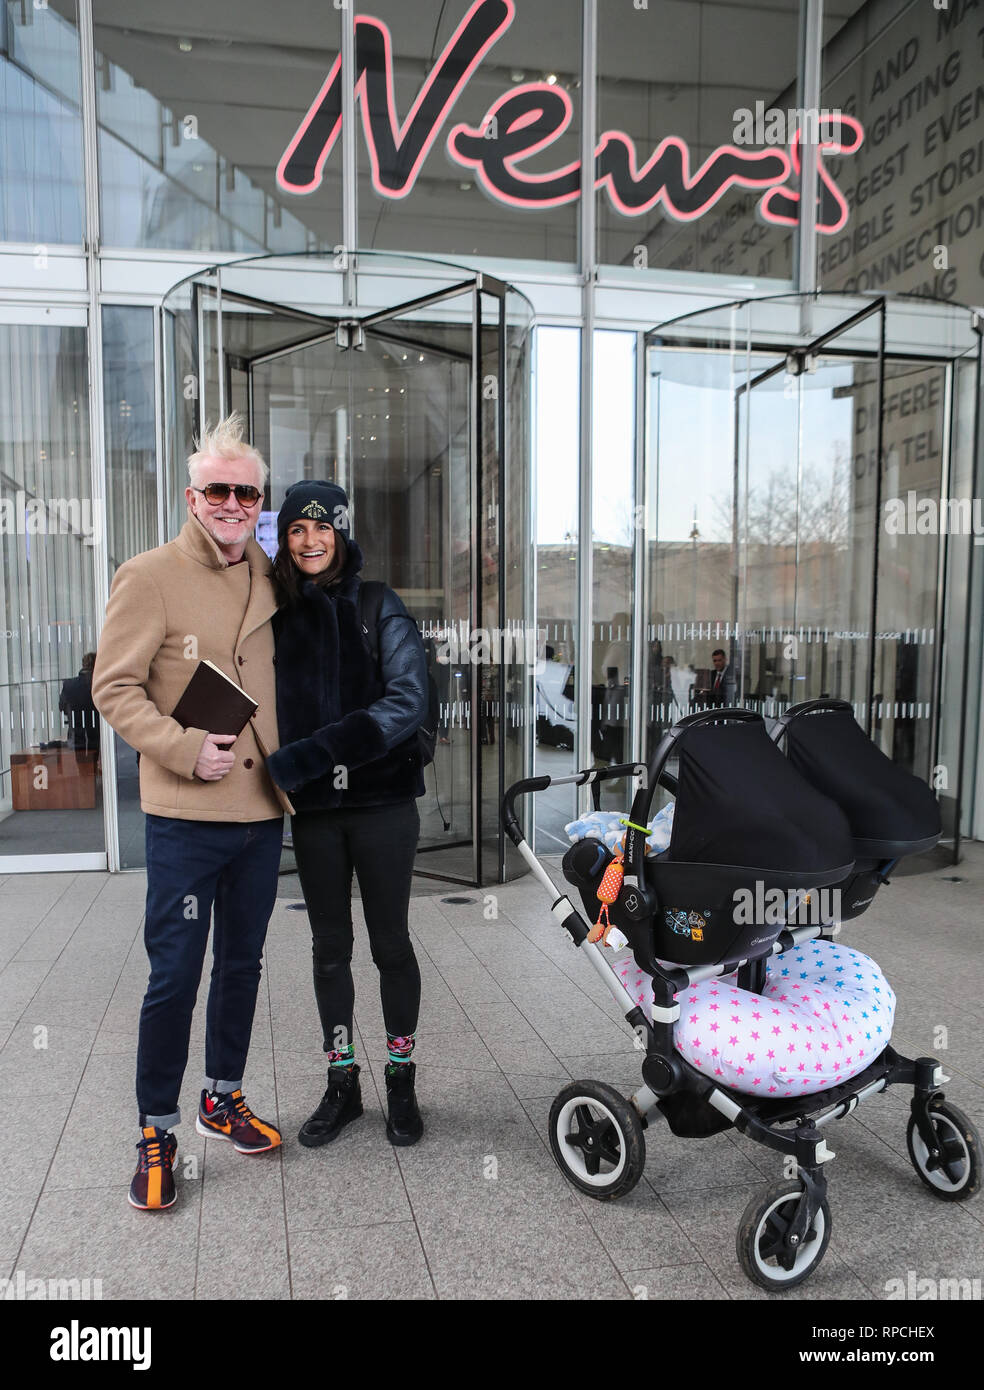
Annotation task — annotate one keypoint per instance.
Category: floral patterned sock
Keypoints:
(400, 1051)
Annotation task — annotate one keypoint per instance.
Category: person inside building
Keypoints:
(722, 687)
(75, 703)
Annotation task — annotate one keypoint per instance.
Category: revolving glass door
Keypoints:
(419, 411)
(793, 445)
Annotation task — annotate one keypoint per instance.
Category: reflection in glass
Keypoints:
(50, 776)
(193, 124)
(690, 538)
(446, 210)
(770, 411)
(682, 69)
(42, 195)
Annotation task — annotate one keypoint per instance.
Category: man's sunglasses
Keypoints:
(218, 492)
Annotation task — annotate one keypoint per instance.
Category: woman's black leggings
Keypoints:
(379, 842)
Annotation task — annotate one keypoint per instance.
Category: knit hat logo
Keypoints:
(314, 499)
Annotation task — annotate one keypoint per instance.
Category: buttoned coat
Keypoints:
(169, 608)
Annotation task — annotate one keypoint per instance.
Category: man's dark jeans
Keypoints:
(192, 864)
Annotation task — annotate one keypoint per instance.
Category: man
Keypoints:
(722, 691)
(75, 703)
(214, 819)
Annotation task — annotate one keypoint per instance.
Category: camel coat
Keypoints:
(169, 608)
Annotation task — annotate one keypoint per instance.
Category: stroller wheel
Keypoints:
(954, 1171)
(764, 1224)
(596, 1137)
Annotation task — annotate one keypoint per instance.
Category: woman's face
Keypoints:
(311, 545)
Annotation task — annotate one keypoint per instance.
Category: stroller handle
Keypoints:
(507, 811)
(806, 707)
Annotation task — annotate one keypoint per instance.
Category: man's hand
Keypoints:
(214, 761)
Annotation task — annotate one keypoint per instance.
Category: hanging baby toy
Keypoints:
(608, 891)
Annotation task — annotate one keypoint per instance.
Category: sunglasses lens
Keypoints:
(245, 493)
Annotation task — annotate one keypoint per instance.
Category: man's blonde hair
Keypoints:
(225, 441)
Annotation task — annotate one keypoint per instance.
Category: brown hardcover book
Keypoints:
(213, 701)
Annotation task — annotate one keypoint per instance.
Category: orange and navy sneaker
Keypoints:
(152, 1188)
(229, 1117)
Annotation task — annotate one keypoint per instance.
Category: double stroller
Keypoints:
(750, 1012)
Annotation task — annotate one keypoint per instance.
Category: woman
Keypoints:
(350, 761)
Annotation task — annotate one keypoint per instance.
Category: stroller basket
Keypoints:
(747, 831)
(890, 812)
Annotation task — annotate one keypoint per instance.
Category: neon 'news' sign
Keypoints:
(528, 119)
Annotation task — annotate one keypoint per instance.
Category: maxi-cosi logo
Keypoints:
(528, 119)
(82, 1343)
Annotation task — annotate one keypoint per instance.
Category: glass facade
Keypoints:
(197, 214)
(195, 107)
(671, 79)
(42, 189)
(50, 734)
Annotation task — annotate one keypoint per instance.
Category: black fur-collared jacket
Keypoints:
(347, 730)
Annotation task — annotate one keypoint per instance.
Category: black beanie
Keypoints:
(314, 501)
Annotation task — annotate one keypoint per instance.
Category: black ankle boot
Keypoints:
(403, 1122)
(340, 1104)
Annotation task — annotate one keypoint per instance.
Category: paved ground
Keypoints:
(478, 1208)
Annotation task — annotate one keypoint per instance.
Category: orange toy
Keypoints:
(608, 891)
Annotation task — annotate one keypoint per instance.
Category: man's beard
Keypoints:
(224, 534)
